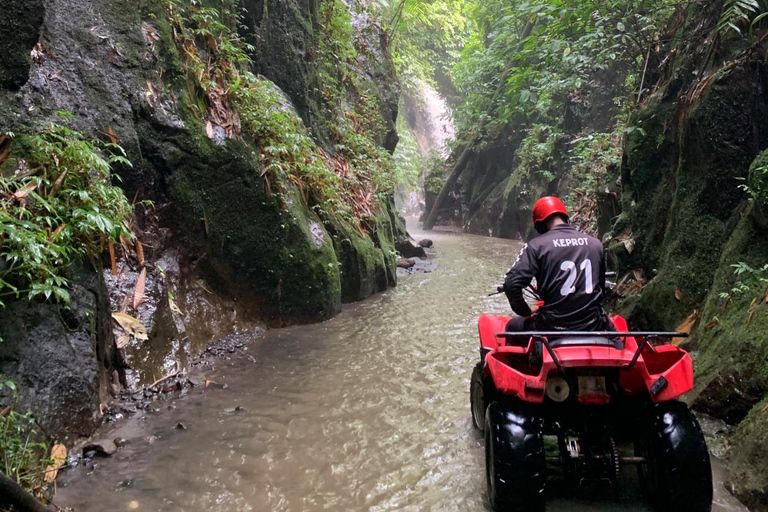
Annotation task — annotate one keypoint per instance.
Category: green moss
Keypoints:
(736, 338)
(748, 464)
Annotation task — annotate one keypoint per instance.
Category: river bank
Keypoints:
(366, 411)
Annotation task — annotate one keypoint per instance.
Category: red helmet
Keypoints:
(547, 206)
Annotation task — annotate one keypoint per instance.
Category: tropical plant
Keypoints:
(58, 205)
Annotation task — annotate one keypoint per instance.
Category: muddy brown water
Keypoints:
(366, 412)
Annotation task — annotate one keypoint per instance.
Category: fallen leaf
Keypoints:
(678, 294)
(122, 340)
(712, 324)
(629, 244)
(209, 129)
(131, 325)
(112, 259)
(58, 458)
(112, 136)
(138, 293)
(58, 230)
(57, 184)
(140, 252)
(172, 304)
(687, 325)
(25, 190)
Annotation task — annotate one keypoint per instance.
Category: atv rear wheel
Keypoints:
(514, 458)
(677, 475)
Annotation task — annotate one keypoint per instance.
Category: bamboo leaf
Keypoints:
(131, 325)
(138, 293)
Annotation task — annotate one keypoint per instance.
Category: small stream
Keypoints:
(366, 412)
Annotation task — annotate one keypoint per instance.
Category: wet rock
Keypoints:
(53, 353)
(728, 397)
(196, 381)
(425, 242)
(181, 426)
(407, 249)
(225, 347)
(100, 448)
(405, 263)
(417, 265)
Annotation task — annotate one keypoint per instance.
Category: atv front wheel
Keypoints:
(677, 475)
(514, 458)
(477, 397)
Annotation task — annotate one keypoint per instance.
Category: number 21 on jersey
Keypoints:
(570, 281)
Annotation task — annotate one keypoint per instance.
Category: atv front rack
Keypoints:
(543, 337)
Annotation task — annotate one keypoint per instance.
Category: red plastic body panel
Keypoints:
(512, 374)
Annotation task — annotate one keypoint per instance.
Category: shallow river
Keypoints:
(366, 412)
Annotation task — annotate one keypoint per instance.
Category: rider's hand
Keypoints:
(534, 310)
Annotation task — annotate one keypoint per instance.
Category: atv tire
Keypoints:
(514, 458)
(677, 475)
(477, 397)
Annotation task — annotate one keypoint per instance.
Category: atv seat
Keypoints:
(594, 341)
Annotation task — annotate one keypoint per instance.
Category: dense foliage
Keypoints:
(230, 98)
(23, 456)
(59, 205)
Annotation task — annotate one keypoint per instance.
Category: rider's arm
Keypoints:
(519, 276)
(601, 275)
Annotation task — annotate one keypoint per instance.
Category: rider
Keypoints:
(570, 276)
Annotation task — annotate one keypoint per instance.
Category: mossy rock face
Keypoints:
(61, 357)
(262, 247)
(681, 190)
(748, 465)
(363, 265)
(19, 32)
(734, 345)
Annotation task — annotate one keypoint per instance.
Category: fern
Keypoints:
(735, 12)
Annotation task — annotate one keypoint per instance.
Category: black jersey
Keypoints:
(570, 275)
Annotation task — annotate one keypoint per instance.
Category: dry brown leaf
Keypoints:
(122, 340)
(205, 221)
(712, 324)
(112, 136)
(140, 252)
(678, 294)
(687, 325)
(58, 231)
(138, 293)
(209, 129)
(131, 325)
(25, 190)
(112, 259)
(58, 458)
(57, 184)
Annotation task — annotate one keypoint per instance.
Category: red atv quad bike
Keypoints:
(594, 391)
